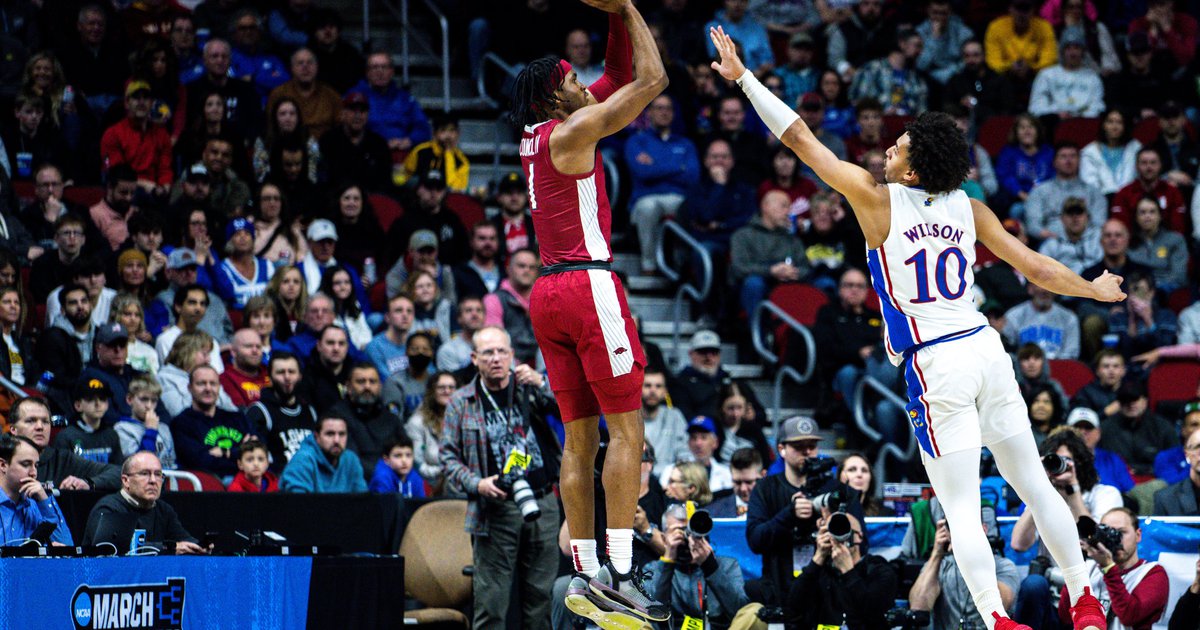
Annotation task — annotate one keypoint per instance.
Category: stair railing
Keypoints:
(481, 83)
(401, 14)
(686, 288)
(758, 337)
(888, 450)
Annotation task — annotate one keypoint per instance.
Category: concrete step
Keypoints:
(434, 103)
(423, 86)
(660, 329)
(485, 131)
(649, 284)
(742, 370)
(652, 308)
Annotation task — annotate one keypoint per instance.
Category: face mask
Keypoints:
(419, 362)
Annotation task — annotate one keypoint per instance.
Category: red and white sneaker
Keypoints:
(1004, 623)
(1087, 614)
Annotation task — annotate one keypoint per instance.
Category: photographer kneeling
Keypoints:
(498, 449)
(1072, 470)
(690, 577)
(842, 586)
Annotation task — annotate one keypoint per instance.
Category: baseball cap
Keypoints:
(1083, 415)
(135, 86)
(356, 100)
(1071, 37)
(801, 39)
(1074, 205)
(90, 388)
(1170, 109)
(108, 334)
(511, 182)
(798, 428)
(432, 179)
(239, 224)
(321, 229)
(422, 239)
(197, 171)
(811, 101)
(180, 258)
(704, 339)
(701, 423)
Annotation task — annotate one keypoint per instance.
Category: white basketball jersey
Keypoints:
(922, 272)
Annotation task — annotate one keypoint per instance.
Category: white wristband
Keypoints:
(774, 112)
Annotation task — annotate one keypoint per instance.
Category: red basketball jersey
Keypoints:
(571, 215)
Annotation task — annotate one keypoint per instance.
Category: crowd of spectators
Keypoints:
(198, 275)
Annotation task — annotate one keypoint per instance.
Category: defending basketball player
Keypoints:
(920, 231)
(580, 316)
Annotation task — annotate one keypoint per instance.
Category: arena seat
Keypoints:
(1173, 381)
(468, 209)
(893, 126)
(377, 295)
(1146, 130)
(1179, 299)
(193, 481)
(24, 190)
(993, 134)
(800, 300)
(86, 196)
(1080, 131)
(235, 317)
(387, 209)
(437, 552)
(1071, 374)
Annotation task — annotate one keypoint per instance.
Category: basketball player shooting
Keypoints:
(920, 231)
(580, 316)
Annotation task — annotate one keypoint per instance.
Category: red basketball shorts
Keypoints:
(588, 339)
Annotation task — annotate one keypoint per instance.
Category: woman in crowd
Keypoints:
(855, 471)
(1071, 17)
(10, 273)
(155, 63)
(404, 391)
(1164, 251)
(424, 426)
(278, 235)
(259, 316)
(127, 310)
(359, 234)
(211, 121)
(1110, 163)
(16, 358)
(1045, 410)
(736, 430)
(432, 313)
(190, 351)
(290, 296)
(195, 233)
(1025, 161)
(347, 312)
(688, 481)
(64, 108)
(839, 118)
(131, 275)
(285, 121)
(785, 176)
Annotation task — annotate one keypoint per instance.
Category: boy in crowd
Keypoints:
(253, 475)
(395, 471)
(143, 430)
(86, 436)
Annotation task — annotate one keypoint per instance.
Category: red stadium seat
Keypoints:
(1071, 374)
(86, 196)
(1080, 131)
(1179, 299)
(1173, 380)
(468, 209)
(192, 481)
(387, 209)
(993, 134)
(1146, 130)
(801, 301)
(893, 126)
(235, 317)
(378, 297)
(23, 190)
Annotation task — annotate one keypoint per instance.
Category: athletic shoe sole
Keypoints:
(586, 605)
(608, 596)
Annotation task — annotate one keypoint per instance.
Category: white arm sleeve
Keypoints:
(774, 112)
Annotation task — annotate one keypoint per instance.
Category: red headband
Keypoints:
(565, 66)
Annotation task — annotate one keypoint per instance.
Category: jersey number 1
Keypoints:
(918, 261)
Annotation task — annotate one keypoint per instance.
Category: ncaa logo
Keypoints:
(127, 606)
(83, 610)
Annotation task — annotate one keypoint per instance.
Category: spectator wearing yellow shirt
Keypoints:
(442, 154)
(1020, 43)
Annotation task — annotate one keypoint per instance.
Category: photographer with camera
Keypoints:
(499, 450)
(1070, 465)
(940, 588)
(1133, 591)
(781, 522)
(843, 586)
(690, 577)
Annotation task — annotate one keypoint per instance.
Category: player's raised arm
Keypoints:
(851, 180)
(1041, 270)
(588, 125)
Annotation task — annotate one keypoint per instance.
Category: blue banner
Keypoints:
(160, 593)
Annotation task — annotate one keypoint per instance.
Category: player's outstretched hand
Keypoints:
(611, 6)
(730, 66)
(1108, 287)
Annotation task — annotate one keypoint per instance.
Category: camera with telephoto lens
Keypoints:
(1098, 533)
(907, 618)
(699, 525)
(513, 483)
(1055, 464)
(817, 472)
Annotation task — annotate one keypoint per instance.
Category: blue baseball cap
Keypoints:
(702, 423)
(237, 225)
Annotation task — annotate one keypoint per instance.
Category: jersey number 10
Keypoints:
(919, 263)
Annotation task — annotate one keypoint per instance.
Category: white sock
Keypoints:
(987, 602)
(583, 553)
(620, 549)
(1076, 578)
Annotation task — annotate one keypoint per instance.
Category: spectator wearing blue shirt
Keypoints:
(1025, 161)
(250, 62)
(1111, 468)
(323, 464)
(799, 74)
(1170, 465)
(756, 46)
(183, 42)
(395, 113)
(289, 25)
(664, 166)
(388, 349)
(241, 275)
(394, 473)
(25, 504)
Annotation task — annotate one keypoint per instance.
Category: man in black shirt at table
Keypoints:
(137, 506)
